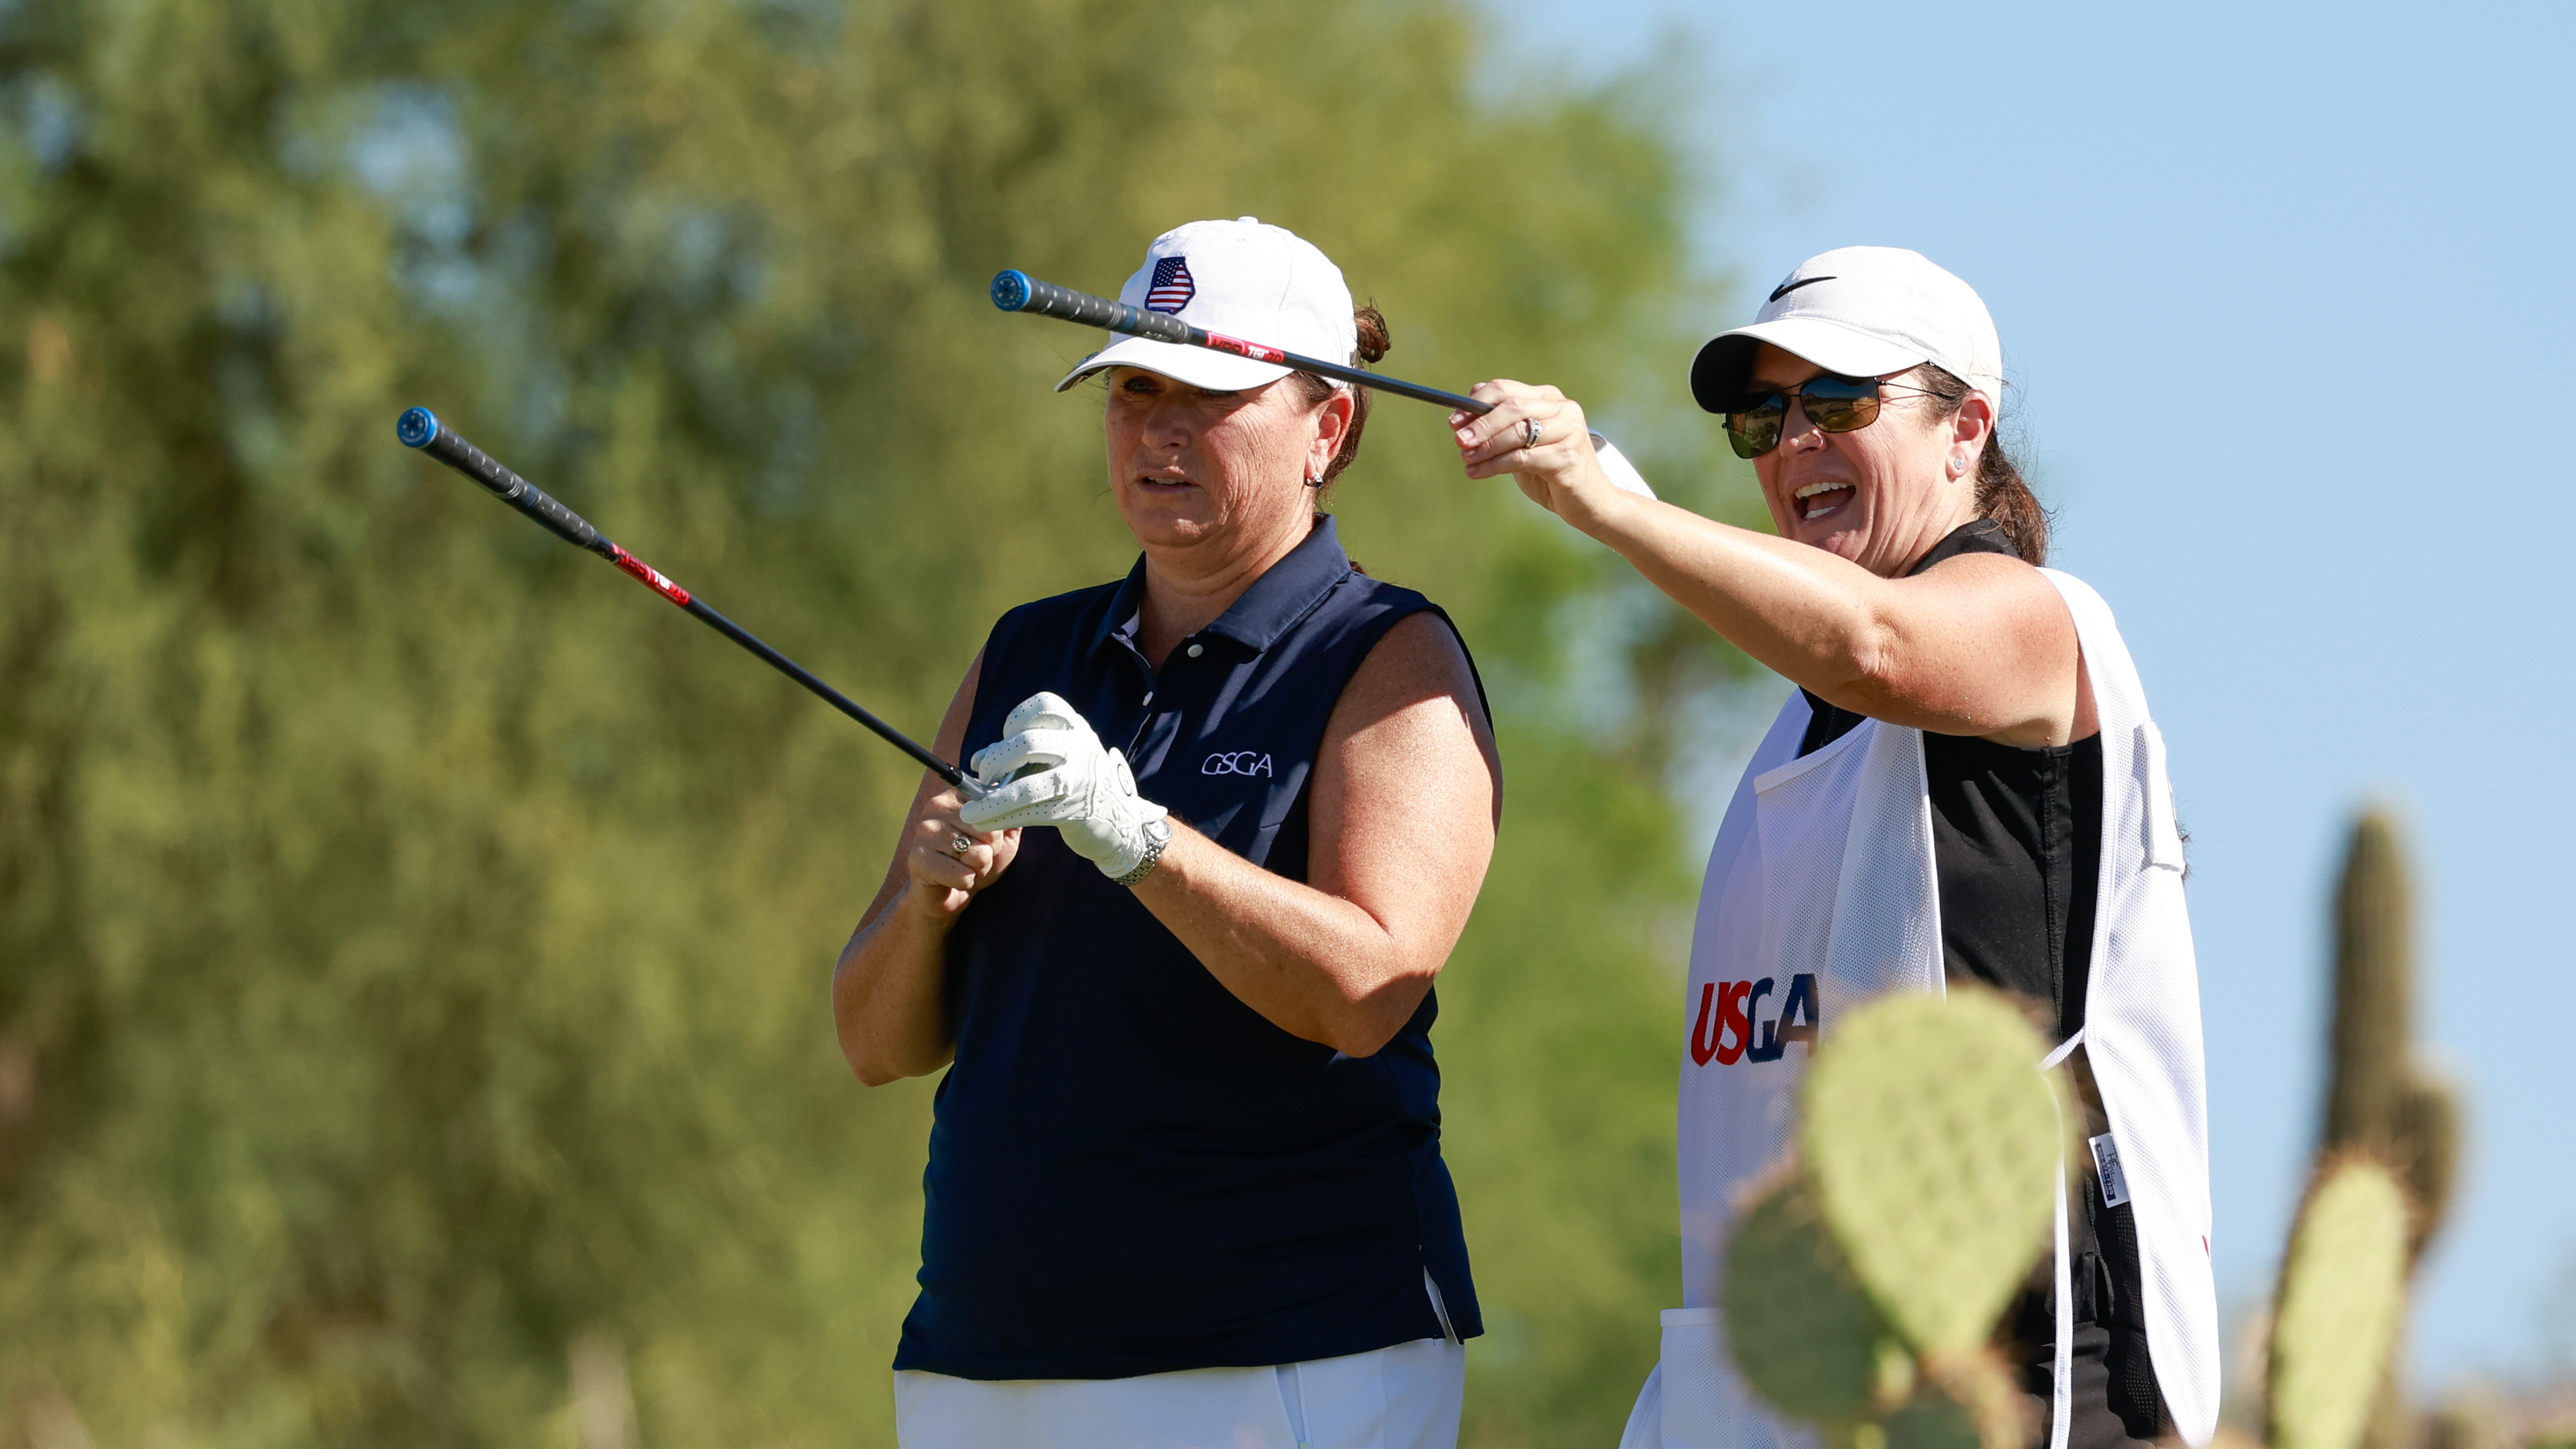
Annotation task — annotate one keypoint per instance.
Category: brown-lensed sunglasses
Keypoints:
(1834, 404)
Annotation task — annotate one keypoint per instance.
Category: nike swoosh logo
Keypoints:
(1786, 288)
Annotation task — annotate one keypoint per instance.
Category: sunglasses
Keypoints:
(1833, 404)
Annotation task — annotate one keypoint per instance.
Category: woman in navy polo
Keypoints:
(1185, 1183)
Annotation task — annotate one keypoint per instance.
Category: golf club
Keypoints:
(1016, 291)
(1019, 292)
(420, 428)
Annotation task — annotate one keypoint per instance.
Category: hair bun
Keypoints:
(1374, 342)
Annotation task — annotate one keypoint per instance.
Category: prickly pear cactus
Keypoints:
(1930, 1420)
(1966, 1401)
(1934, 1142)
(1803, 1333)
(2343, 1295)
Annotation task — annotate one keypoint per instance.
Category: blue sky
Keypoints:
(2285, 294)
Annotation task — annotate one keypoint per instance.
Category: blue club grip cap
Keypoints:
(416, 427)
(1010, 290)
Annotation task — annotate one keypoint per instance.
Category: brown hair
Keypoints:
(1374, 344)
(2001, 493)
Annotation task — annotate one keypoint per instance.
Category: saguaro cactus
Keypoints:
(2380, 1100)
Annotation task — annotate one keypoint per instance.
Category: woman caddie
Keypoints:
(1185, 1184)
(1965, 787)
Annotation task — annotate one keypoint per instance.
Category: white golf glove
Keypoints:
(1070, 782)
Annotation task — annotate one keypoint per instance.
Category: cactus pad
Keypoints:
(2343, 1294)
(1934, 1143)
(1967, 1401)
(1803, 1333)
(1932, 1420)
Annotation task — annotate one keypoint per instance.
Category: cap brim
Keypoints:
(1723, 370)
(1197, 366)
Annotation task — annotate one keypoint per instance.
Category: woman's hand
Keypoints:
(1051, 769)
(890, 1003)
(1559, 471)
(948, 864)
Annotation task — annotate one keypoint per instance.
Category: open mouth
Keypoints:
(1823, 500)
(1152, 484)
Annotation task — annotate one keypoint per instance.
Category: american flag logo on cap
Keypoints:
(1172, 289)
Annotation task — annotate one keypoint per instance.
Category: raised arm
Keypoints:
(1976, 645)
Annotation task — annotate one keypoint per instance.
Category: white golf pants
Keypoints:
(1405, 1396)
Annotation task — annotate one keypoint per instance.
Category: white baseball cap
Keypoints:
(1242, 278)
(1860, 312)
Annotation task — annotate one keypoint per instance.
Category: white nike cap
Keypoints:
(1860, 312)
(1245, 279)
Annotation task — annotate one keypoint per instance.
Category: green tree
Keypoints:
(413, 940)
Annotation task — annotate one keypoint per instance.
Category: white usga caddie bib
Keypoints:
(1821, 893)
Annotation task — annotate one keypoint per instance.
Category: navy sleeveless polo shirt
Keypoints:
(1131, 1171)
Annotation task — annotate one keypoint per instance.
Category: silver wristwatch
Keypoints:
(1158, 833)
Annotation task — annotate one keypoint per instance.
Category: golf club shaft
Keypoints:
(420, 428)
(1016, 291)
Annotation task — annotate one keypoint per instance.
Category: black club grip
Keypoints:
(1019, 292)
(420, 428)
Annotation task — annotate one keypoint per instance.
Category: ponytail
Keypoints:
(1374, 343)
(2001, 493)
(2005, 498)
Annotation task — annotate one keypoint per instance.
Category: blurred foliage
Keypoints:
(413, 938)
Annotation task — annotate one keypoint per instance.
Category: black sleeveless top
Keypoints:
(2017, 852)
(1131, 1171)
(2016, 842)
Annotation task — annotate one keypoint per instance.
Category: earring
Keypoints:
(1314, 482)
(1958, 465)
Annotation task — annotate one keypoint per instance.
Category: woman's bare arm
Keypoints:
(1976, 645)
(890, 1001)
(1402, 808)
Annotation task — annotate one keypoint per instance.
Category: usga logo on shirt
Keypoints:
(1242, 762)
(1728, 1031)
